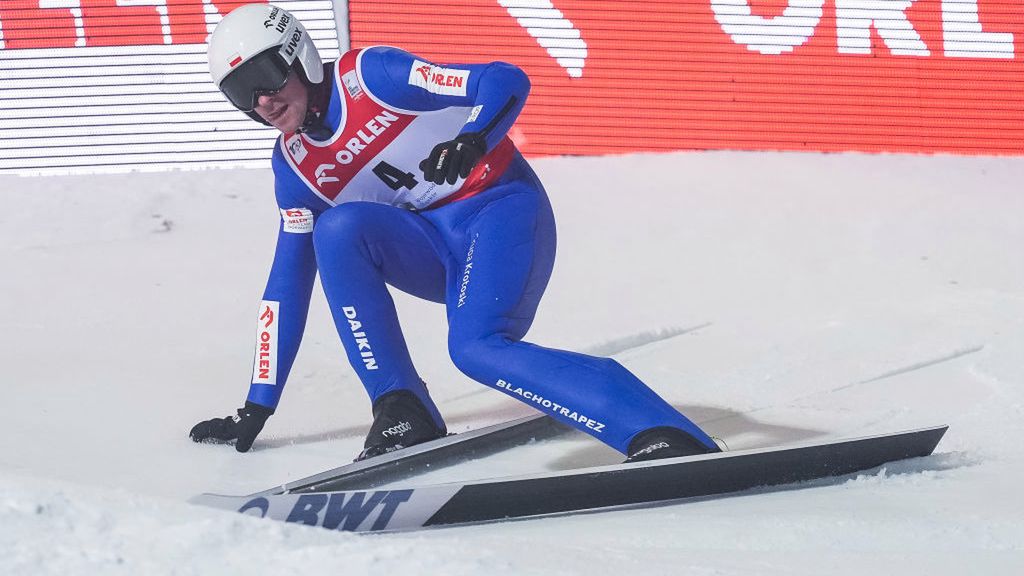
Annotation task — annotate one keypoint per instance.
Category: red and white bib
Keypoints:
(375, 152)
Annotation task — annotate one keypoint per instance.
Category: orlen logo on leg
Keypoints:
(264, 368)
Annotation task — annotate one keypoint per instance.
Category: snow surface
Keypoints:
(772, 297)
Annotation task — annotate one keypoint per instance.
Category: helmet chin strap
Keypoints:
(318, 97)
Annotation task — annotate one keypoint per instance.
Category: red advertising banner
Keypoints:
(97, 85)
(611, 77)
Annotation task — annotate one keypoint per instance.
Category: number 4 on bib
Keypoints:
(394, 177)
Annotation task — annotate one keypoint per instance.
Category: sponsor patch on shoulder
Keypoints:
(351, 83)
(296, 148)
(447, 81)
(297, 220)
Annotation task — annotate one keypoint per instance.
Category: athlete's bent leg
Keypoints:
(361, 247)
(506, 247)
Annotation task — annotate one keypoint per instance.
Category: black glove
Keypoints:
(454, 159)
(242, 428)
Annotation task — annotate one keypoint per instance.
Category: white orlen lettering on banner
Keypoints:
(447, 81)
(264, 366)
(297, 220)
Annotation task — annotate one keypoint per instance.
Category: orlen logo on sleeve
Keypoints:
(447, 81)
(297, 220)
(264, 368)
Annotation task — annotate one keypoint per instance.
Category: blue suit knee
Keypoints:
(472, 356)
(342, 227)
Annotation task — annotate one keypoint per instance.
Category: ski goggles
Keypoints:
(263, 74)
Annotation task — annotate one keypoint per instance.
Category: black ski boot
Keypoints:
(665, 442)
(400, 420)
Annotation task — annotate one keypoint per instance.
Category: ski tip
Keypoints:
(939, 430)
(925, 440)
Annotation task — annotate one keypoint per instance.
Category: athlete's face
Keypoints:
(286, 108)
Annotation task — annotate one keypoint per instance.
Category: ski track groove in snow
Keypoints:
(917, 366)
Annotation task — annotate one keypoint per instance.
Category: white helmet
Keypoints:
(252, 49)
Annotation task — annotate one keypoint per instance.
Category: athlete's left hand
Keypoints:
(242, 428)
(454, 159)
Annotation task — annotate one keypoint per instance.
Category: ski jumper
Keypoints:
(355, 207)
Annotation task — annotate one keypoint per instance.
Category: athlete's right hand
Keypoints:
(454, 159)
(242, 429)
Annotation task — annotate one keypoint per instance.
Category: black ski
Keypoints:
(428, 456)
(639, 484)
